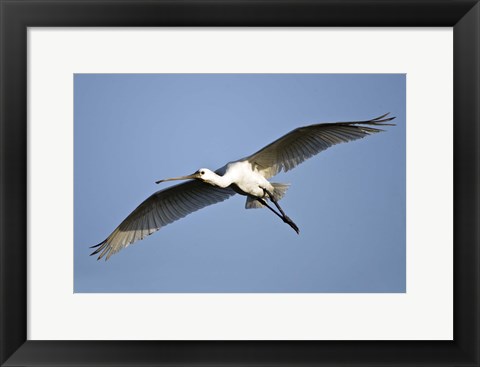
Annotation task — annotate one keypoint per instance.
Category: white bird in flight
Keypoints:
(247, 176)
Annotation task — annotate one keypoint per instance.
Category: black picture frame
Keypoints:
(17, 15)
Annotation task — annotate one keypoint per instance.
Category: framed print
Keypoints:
(95, 109)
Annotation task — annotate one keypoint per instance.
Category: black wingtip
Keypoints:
(95, 252)
(103, 250)
(381, 120)
(100, 248)
(94, 246)
(377, 121)
(381, 117)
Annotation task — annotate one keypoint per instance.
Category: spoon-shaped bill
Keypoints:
(188, 177)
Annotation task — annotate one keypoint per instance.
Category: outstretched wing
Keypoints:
(305, 142)
(160, 209)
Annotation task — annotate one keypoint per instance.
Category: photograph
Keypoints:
(239, 183)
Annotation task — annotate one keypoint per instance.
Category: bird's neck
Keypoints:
(220, 181)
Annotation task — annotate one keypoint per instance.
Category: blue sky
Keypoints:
(348, 201)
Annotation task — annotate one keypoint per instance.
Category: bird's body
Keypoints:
(241, 177)
(248, 176)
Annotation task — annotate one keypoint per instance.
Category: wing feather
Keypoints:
(302, 143)
(161, 208)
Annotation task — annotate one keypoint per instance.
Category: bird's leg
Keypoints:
(284, 217)
(263, 202)
(272, 198)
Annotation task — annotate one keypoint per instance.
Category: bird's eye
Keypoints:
(202, 172)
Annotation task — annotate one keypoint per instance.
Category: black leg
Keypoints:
(263, 202)
(284, 217)
(272, 198)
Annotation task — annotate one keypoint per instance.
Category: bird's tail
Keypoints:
(253, 203)
(279, 190)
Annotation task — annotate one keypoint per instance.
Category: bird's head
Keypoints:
(203, 174)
